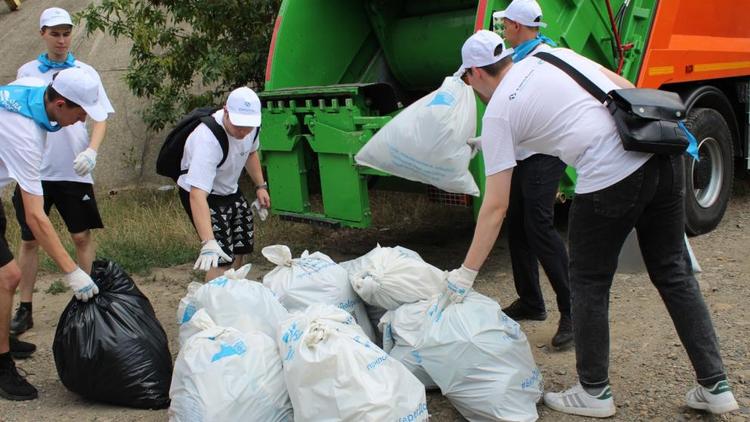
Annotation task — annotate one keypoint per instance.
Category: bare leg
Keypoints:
(28, 262)
(85, 249)
(10, 276)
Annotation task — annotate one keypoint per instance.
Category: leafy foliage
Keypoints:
(187, 53)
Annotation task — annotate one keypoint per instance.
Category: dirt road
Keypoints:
(650, 371)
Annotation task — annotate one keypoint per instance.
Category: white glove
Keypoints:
(459, 282)
(260, 210)
(85, 162)
(81, 284)
(210, 254)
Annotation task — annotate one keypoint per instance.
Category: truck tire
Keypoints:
(708, 182)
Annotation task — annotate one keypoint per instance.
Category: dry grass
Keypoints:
(147, 229)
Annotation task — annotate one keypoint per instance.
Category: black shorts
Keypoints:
(74, 201)
(231, 219)
(5, 254)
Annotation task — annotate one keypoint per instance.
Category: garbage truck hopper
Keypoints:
(338, 70)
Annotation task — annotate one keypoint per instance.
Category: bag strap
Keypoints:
(220, 135)
(577, 76)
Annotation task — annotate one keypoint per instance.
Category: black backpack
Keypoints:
(170, 155)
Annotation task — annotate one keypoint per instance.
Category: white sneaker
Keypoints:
(576, 401)
(717, 399)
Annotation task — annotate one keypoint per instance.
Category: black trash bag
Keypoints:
(112, 348)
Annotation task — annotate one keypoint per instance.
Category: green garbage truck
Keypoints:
(339, 70)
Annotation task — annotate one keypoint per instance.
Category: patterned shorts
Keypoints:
(231, 220)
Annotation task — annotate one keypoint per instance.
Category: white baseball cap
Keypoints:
(77, 86)
(479, 50)
(243, 106)
(525, 12)
(54, 16)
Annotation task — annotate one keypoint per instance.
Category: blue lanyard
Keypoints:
(27, 101)
(46, 64)
(522, 50)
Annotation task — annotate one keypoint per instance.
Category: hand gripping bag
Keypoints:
(481, 360)
(112, 348)
(224, 375)
(233, 301)
(335, 373)
(390, 277)
(428, 141)
(402, 330)
(313, 278)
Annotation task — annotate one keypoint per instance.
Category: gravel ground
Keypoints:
(650, 372)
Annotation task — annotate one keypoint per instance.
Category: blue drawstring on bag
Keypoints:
(522, 50)
(692, 149)
(46, 64)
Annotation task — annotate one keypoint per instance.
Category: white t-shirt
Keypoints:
(64, 145)
(539, 108)
(203, 153)
(22, 142)
(522, 154)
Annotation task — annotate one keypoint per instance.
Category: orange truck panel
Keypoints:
(694, 40)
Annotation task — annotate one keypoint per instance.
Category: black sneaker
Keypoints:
(21, 349)
(22, 321)
(519, 311)
(12, 385)
(563, 338)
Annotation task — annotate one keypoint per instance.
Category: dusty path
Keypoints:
(650, 371)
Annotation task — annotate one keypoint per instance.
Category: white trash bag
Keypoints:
(312, 278)
(402, 330)
(232, 301)
(428, 141)
(222, 374)
(481, 360)
(390, 277)
(335, 373)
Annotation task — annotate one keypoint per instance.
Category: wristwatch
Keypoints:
(262, 186)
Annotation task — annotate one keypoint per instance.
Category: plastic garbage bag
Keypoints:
(480, 359)
(224, 375)
(389, 277)
(630, 260)
(313, 278)
(428, 141)
(233, 301)
(402, 330)
(335, 373)
(112, 348)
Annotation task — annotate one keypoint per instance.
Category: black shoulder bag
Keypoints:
(647, 119)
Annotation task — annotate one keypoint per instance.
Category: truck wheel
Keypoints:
(708, 182)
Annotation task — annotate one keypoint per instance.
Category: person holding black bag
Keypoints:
(534, 105)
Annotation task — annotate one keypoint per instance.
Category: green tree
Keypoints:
(187, 53)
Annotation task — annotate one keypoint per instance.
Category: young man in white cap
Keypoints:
(537, 107)
(28, 110)
(210, 192)
(532, 238)
(68, 159)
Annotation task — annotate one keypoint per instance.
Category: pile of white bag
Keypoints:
(478, 357)
(297, 347)
(228, 367)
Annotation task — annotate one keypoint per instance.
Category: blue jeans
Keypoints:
(532, 235)
(651, 200)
